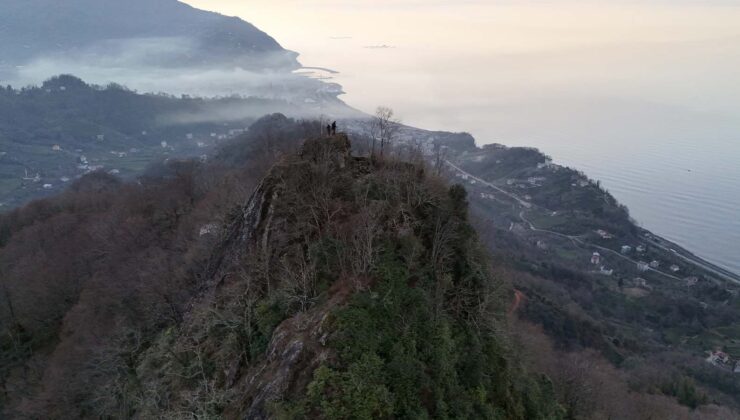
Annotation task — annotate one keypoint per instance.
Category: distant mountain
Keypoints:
(169, 32)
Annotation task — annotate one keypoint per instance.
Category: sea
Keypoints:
(643, 96)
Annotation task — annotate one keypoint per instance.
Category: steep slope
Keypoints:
(37, 28)
(343, 288)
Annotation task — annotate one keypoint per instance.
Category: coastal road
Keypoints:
(527, 205)
(692, 259)
(600, 248)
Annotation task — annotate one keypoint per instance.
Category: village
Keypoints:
(39, 182)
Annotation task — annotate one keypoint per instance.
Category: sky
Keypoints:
(614, 48)
(642, 95)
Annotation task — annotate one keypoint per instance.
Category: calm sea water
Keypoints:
(644, 96)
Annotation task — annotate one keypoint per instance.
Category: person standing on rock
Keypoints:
(328, 129)
(334, 128)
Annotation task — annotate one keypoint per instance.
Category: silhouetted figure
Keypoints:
(328, 129)
(334, 128)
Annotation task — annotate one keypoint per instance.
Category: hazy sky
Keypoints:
(643, 95)
(664, 51)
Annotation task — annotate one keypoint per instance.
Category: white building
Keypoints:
(596, 258)
(208, 229)
(626, 249)
(718, 358)
(654, 263)
(604, 234)
(48, 186)
(675, 268)
(56, 148)
(643, 266)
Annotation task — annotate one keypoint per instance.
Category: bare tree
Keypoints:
(440, 157)
(384, 128)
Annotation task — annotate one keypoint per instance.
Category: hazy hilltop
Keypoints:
(34, 28)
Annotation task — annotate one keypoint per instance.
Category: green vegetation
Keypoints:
(397, 358)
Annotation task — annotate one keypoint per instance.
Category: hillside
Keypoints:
(342, 288)
(53, 134)
(294, 278)
(32, 29)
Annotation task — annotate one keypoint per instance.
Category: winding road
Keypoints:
(527, 205)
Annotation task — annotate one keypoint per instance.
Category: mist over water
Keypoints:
(641, 95)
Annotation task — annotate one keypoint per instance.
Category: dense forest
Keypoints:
(289, 277)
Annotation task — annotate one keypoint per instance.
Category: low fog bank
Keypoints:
(165, 65)
(157, 65)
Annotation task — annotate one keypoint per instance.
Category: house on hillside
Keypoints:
(56, 148)
(719, 358)
(208, 229)
(654, 264)
(626, 249)
(604, 234)
(691, 281)
(641, 248)
(642, 266)
(596, 258)
(675, 268)
(641, 282)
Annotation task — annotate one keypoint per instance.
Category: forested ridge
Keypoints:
(288, 277)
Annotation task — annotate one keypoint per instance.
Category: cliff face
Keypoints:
(344, 288)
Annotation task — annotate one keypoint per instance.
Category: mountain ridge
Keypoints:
(75, 26)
